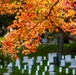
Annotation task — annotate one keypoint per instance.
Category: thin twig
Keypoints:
(52, 8)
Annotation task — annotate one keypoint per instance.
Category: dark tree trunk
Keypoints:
(60, 45)
(61, 41)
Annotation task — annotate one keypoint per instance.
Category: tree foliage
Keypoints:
(33, 18)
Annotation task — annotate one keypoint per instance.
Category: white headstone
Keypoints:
(17, 63)
(73, 63)
(41, 63)
(30, 61)
(44, 57)
(67, 71)
(62, 63)
(22, 71)
(29, 71)
(25, 66)
(25, 59)
(52, 68)
(60, 69)
(6, 74)
(1, 66)
(75, 56)
(62, 56)
(19, 67)
(48, 63)
(39, 59)
(52, 73)
(44, 40)
(38, 68)
(10, 65)
(36, 72)
(43, 73)
(10, 69)
(30, 67)
(45, 68)
(68, 58)
(51, 57)
(73, 72)
(32, 58)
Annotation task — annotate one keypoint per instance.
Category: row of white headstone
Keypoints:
(30, 62)
(68, 59)
(37, 70)
(51, 71)
(67, 71)
(50, 58)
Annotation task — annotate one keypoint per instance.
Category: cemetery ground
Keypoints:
(43, 50)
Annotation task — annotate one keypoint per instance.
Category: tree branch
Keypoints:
(45, 16)
(52, 8)
(35, 26)
(67, 35)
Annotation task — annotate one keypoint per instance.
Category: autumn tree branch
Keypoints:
(35, 26)
(52, 8)
(45, 16)
(66, 35)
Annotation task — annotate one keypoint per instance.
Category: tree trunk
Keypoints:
(61, 41)
(60, 45)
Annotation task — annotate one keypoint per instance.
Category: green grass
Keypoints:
(18, 72)
(43, 50)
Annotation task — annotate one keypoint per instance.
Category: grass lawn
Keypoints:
(18, 72)
(43, 50)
